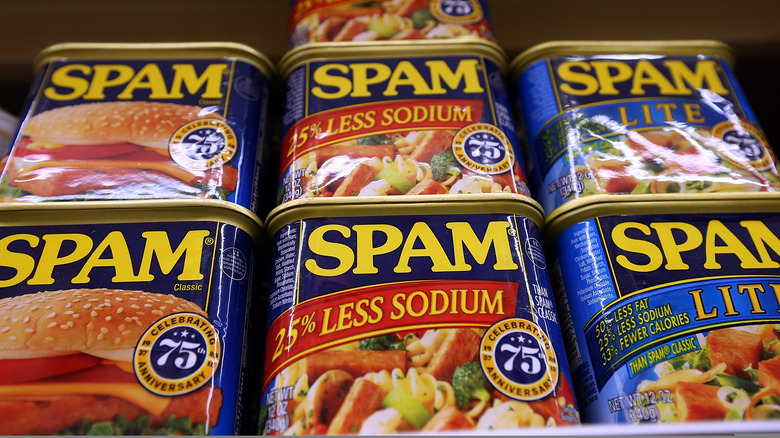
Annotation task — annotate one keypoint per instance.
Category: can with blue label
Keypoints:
(425, 314)
(337, 21)
(638, 117)
(674, 305)
(119, 121)
(399, 119)
(127, 318)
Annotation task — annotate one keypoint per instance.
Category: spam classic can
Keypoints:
(127, 320)
(673, 303)
(141, 121)
(329, 21)
(641, 117)
(389, 317)
(404, 118)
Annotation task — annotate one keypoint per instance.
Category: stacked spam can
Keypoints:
(409, 290)
(663, 216)
(129, 241)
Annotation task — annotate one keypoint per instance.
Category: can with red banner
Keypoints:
(334, 21)
(406, 315)
(403, 118)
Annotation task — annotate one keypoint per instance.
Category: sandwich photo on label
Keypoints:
(116, 150)
(68, 362)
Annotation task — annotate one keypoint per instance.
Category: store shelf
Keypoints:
(748, 26)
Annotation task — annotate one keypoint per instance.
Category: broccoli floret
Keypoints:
(375, 140)
(422, 18)
(444, 163)
(384, 342)
(469, 382)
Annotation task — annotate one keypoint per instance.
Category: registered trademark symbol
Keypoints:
(209, 241)
(511, 232)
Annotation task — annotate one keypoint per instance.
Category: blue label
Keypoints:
(166, 145)
(640, 124)
(141, 270)
(652, 295)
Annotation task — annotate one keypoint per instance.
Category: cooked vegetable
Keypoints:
(382, 29)
(410, 408)
(422, 18)
(140, 426)
(384, 342)
(469, 382)
(396, 179)
(443, 164)
(724, 379)
(375, 140)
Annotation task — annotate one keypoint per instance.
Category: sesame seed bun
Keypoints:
(105, 323)
(144, 123)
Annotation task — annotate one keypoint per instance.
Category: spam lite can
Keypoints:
(141, 121)
(400, 119)
(642, 117)
(130, 321)
(334, 21)
(676, 315)
(390, 317)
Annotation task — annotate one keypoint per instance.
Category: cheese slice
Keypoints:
(131, 392)
(166, 168)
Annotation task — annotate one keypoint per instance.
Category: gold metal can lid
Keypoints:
(628, 47)
(155, 51)
(105, 212)
(591, 207)
(383, 206)
(388, 49)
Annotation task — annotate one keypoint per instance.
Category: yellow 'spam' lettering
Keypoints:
(333, 80)
(671, 77)
(366, 248)
(421, 242)
(191, 247)
(495, 237)
(23, 264)
(110, 252)
(716, 240)
(75, 81)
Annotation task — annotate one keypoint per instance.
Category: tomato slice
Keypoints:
(144, 155)
(99, 374)
(26, 370)
(80, 152)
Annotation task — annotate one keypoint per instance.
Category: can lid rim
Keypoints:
(154, 50)
(594, 206)
(130, 211)
(384, 206)
(405, 48)
(628, 47)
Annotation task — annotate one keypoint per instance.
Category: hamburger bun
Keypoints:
(105, 323)
(148, 124)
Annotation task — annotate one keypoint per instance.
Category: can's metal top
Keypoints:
(132, 211)
(382, 206)
(590, 207)
(645, 47)
(130, 51)
(387, 49)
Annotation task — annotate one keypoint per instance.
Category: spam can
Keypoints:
(643, 117)
(334, 21)
(141, 121)
(674, 307)
(130, 321)
(404, 118)
(388, 317)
